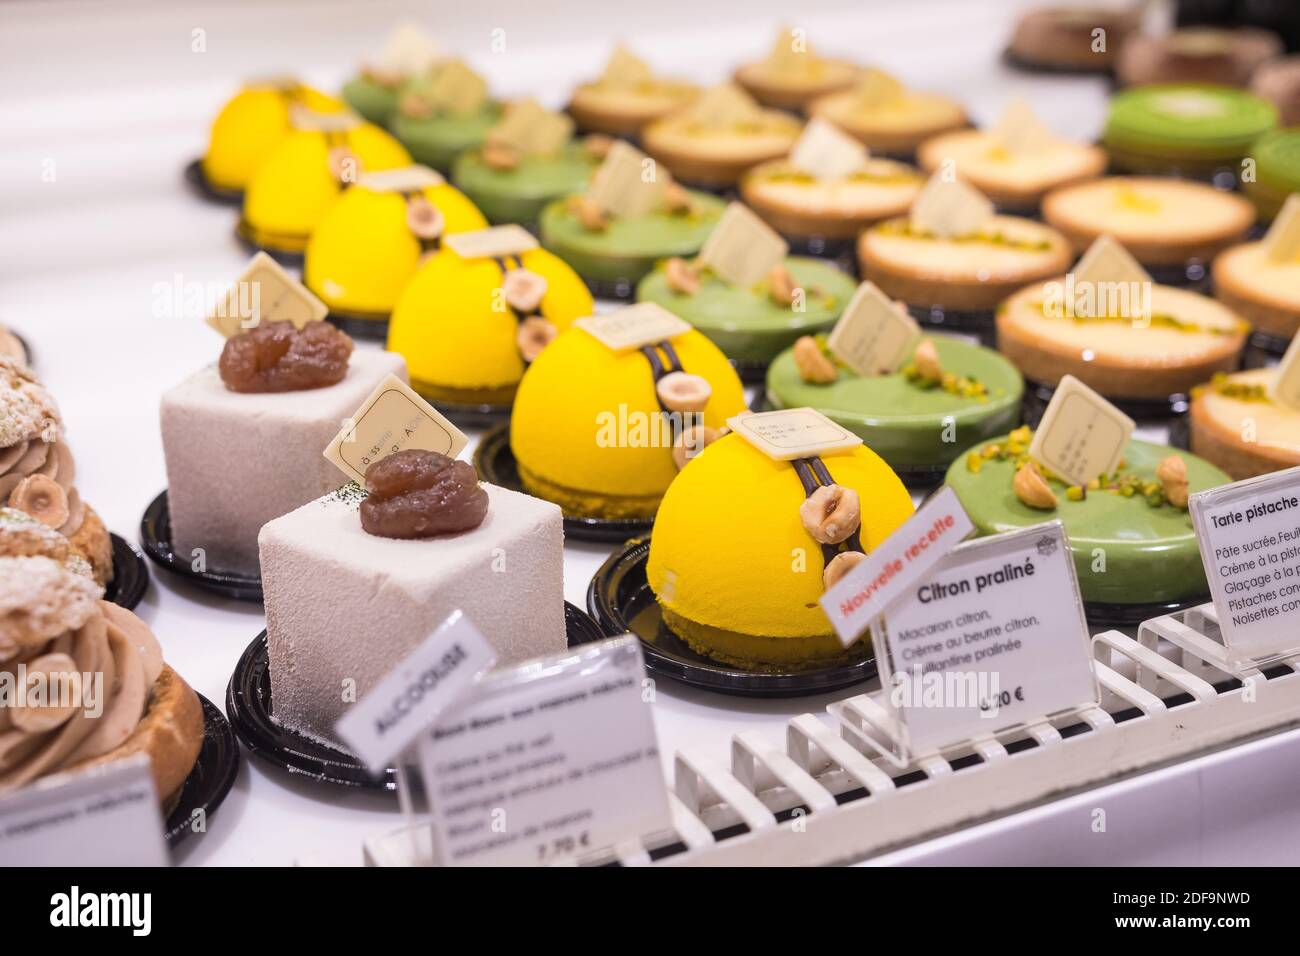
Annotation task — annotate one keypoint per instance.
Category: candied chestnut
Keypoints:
(276, 357)
(419, 494)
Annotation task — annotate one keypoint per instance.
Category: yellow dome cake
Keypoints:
(251, 125)
(370, 242)
(477, 311)
(295, 186)
(742, 544)
(602, 431)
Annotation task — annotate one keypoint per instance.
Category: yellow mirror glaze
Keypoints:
(586, 425)
(292, 190)
(726, 547)
(362, 254)
(250, 126)
(454, 336)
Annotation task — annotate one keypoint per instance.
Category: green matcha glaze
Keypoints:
(746, 323)
(1277, 170)
(902, 422)
(374, 101)
(628, 248)
(1150, 553)
(519, 194)
(438, 140)
(1141, 123)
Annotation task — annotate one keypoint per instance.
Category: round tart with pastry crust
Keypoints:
(1162, 222)
(54, 624)
(971, 273)
(744, 547)
(1016, 181)
(793, 75)
(1186, 339)
(627, 96)
(894, 124)
(37, 469)
(1238, 425)
(1262, 290)
(801, 206)
(712, 142)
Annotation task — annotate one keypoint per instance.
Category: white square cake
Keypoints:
(343, 605)
(236, 460)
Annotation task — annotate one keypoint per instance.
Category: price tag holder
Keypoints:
(106, 815)
(546, 762)
(991, 637)
(896, 564)
(1249, 534)
(410, 697)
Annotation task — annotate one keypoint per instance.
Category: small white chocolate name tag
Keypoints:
(742, 249)
(490, 243)
(826, 152)
(407, 179)
(950, 208)
(792, 433)
(876, 89)
(634, 326)
(1019, 129)
(409, 50)
(300, 117)
(875, 335)
(265, 292)
(627, 183)
(393, 418)
(1283, 238)
(1285, 387)
(1107, 261)
(455, 88)
(1081, 435)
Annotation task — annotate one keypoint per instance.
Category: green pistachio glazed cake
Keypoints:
(751, 325)
(518, 195)
(625, 250)
(909, 420)
(1131, 545)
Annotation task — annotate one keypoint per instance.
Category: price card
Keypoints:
(875, 335)
(106, 815)
(742, 249)
(634, 326)
(1249, 534)
(896, 564)
(1081, 434)
(410, 697)
(627, 182)
(265, 292)
(493, 242)
(992, 635)
(391, 419)
(547, 761)
(950, 208)
(827, 153)
(792, 433)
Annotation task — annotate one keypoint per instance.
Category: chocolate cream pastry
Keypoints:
(37, 470)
